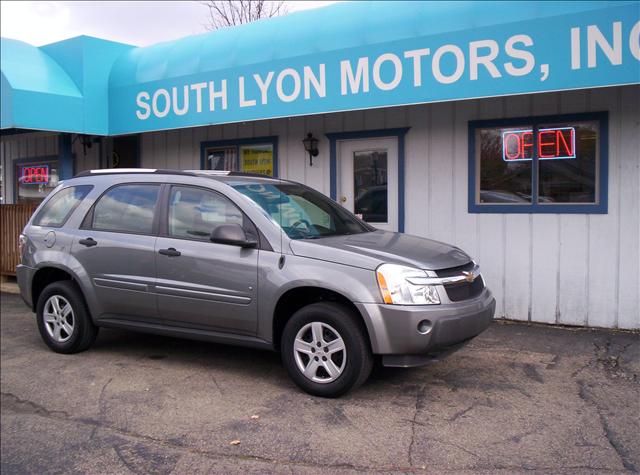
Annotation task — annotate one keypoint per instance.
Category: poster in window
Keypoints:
(257, 159)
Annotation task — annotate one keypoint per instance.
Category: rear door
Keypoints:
(116, 247)
(199, 283)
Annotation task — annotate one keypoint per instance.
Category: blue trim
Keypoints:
(602, 173)
(65, 157)
(237, 143)
(399, 133)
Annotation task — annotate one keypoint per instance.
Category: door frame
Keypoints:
(398, 133)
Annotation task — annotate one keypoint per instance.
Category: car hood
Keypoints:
(369, 250)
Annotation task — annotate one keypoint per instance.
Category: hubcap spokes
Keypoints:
(320, 352)
(58, 318)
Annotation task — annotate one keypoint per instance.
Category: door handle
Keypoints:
(171, 252)
(343, 199)
(89, 242)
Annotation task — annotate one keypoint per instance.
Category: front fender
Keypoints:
(355, 284)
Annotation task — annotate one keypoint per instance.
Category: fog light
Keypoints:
(424, 327)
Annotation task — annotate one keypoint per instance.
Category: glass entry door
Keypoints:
(368, 183)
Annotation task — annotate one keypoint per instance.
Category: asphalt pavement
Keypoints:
(519, 398)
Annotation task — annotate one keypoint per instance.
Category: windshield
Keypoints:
(302, 213)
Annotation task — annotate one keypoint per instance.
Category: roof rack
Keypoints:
(202, 173)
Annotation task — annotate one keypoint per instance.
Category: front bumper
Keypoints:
(394, 328)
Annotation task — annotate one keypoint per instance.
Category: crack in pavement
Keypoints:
(609, 361)
(118, 451)
(420, 395)
(11, 402)
(617, 446)
(102, 409)
(19, 406)
(473, 405)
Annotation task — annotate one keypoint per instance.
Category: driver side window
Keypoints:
(195, 212)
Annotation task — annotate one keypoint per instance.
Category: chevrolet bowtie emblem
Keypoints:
(470, 276)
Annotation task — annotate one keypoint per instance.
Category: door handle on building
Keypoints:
(343, 199)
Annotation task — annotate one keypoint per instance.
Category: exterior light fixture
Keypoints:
(311, 146)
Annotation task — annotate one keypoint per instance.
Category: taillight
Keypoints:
(22, 242)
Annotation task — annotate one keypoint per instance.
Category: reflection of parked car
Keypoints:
(143, 251)
(501, 197)
(371, 202)
(509, 197)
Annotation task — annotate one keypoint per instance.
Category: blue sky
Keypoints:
(139, 23)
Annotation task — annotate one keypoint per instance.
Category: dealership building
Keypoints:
(510, 129)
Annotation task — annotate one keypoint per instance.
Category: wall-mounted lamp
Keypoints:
(311, 146)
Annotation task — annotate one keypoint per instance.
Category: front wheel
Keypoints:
(325, 349)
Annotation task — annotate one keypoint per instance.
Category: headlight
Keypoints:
(402, 285)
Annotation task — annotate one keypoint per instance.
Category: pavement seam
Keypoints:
(621, 451)
(41, 411)
(420, 395)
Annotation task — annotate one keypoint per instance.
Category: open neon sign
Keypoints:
(556, 143)
(34, 175)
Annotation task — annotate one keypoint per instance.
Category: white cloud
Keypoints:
(35, 22)
(134, 22)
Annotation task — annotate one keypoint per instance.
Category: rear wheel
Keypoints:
(325, 350)
(63, 319)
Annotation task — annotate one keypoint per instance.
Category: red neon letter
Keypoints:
(568, 147)
(527, 143)
(512, 156)
(542, 143)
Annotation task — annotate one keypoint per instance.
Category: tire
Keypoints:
(331, 320)
(79, 333)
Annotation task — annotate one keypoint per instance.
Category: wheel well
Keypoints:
(293, 300)
(44, 277)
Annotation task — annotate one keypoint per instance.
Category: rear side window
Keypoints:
(126, 208)
(57, 210)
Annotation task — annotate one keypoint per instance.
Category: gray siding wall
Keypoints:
(14, 147)
(34, 146)
(568, 269)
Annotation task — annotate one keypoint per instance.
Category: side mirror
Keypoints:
(232, 234)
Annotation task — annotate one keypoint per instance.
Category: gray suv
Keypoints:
(245, 260)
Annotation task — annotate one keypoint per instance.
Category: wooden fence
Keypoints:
(12, 221)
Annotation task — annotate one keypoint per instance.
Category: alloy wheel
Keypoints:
(320, 352)
(58, 318)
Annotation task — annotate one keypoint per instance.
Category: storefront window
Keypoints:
(255, 157)
(370, 185)
(35, 181)
(543, 165)
(222, 158)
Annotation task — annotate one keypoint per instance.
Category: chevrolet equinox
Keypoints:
(245, 260)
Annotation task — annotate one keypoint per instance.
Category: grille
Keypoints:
(453, 271)
(463, 290)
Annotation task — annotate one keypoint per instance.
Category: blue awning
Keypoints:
(62, 86)
(35, 89)
(354, 55)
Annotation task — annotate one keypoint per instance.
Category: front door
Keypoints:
(368, 182)
(200, 283)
